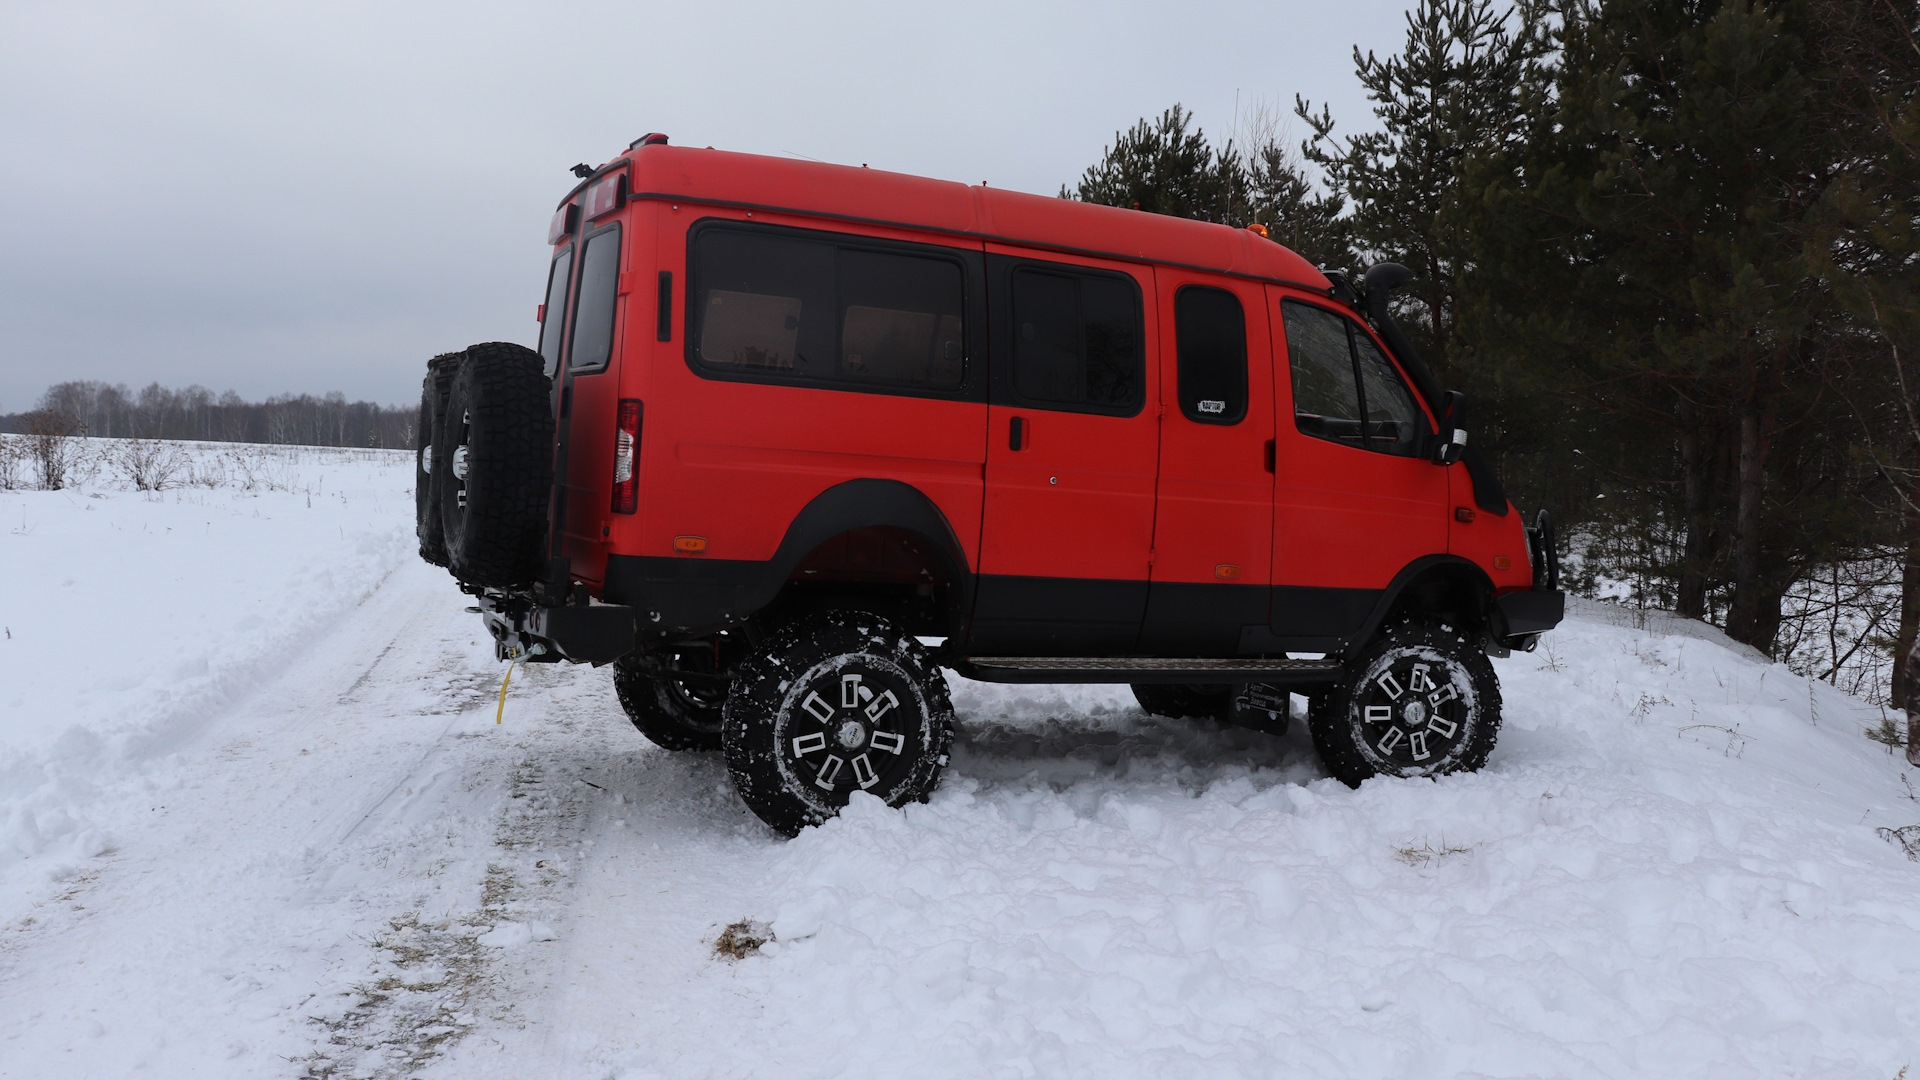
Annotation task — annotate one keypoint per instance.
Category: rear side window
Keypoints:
(1077, 340)
(593, 311)
(808, 309)
(1339, 377)
(1210, 331)
(900, 319)
(555, 318)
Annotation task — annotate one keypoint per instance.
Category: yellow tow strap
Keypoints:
(501, 712)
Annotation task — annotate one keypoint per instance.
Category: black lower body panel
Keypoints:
(1532, 612)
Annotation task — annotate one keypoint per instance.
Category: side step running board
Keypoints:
(1145, 669)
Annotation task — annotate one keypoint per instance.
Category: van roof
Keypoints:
(875, 196)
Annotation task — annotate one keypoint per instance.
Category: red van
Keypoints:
(788, 423)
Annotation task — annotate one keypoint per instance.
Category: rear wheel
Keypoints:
(1423, 701)
(1182, 701)
(498, 442)
(836, 702)
(676, 712)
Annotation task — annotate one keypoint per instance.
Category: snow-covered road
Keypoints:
(322, 858)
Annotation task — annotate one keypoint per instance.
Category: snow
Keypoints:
(259, 822)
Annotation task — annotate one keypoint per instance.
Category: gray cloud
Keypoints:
(284, 198)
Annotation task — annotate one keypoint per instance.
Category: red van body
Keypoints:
(1125, 532)
(796, 408)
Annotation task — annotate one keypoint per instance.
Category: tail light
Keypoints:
(626, 459)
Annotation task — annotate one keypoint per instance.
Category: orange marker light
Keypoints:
(1257, 229)
(689, 545)
(1501, 562)
(1226, 571)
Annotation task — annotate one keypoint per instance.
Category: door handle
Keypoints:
(1270, 455)
(1017, 434)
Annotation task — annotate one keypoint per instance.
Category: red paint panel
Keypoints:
(1077, 500)
(1215, 504)
(736, 462)
(1345, 517)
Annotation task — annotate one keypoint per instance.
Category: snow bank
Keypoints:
(1670, 868)
(128, 616)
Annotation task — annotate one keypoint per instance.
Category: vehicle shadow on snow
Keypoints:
(1115, 747)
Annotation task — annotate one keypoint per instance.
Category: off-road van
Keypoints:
(796, 436)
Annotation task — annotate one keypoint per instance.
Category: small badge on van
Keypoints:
(1213, 406)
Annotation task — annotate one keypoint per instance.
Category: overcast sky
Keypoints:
(304, 198)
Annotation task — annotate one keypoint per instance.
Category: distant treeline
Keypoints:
(157, 412)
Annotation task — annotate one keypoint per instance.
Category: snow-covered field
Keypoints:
(256, 820)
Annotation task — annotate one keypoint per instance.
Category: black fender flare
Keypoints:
(873, 503)
(1413, 573)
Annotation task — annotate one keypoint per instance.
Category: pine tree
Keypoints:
(1453, 89)
(1657, 243)
(1168, 167)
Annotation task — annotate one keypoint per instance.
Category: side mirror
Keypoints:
(1451, 442)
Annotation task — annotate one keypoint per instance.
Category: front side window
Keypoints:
(805, 308)
(1341, 378)
(1210, 332)
(1393, 421)
(593, 311)
(1077, 340)
(554, 318)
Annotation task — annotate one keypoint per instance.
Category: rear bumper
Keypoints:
(582, 633)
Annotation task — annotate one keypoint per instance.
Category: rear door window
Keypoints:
(1077, 340)
(1210, 331)
(554, 319)
(593, 311)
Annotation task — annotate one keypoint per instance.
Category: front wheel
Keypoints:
(836, 702)
(1423, 701)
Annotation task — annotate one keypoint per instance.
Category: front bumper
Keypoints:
(581, 633)
(1534, 611)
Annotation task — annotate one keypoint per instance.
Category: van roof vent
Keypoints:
(652, 138)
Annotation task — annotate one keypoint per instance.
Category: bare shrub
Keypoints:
(742, 939)
(150, 464)
(52, 439)
(10, 451)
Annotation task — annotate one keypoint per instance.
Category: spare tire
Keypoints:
(426, 492)
(497, 436)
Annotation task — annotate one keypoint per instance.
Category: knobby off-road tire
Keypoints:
(675, 714)
(835, 702)
(1185, 701)
(427, 470)
(498, 435)
(1423, 701)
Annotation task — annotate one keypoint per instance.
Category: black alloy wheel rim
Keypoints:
(706, 695)
(845, 733)
(1416, 711)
